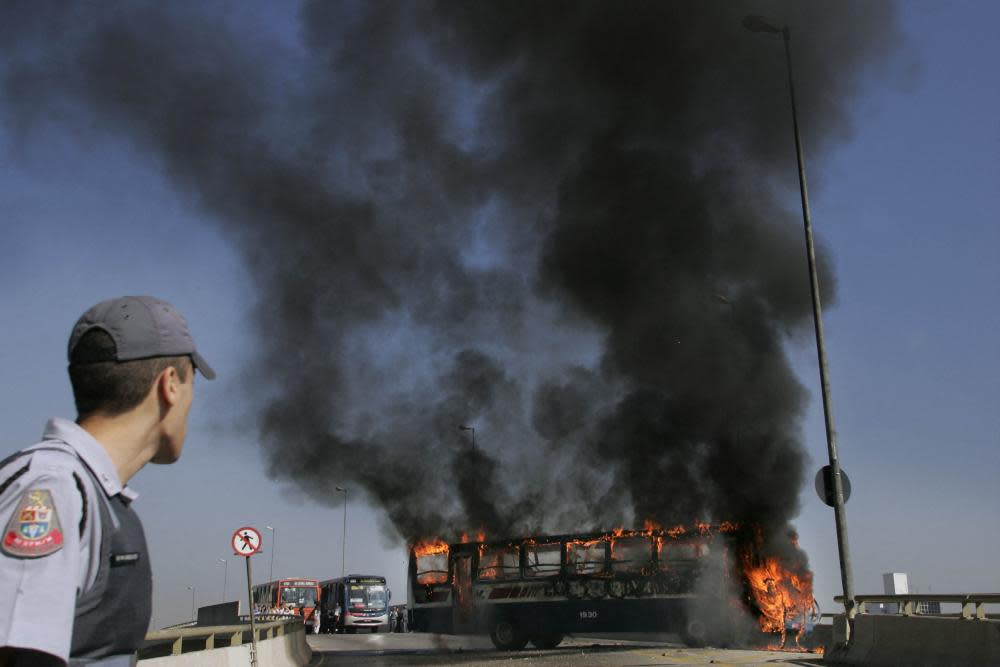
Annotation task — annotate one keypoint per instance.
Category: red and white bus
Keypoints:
(301, 596)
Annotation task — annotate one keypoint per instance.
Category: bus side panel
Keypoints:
(580, 616)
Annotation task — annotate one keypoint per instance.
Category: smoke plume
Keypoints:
(571, 226)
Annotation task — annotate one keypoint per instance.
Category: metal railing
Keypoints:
(213, 636)
(973, 604)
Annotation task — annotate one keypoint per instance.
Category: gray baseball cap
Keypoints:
(142, 327)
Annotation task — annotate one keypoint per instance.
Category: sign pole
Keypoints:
(253, 624)
(246, 542)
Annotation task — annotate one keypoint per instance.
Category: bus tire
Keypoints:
(695, 633)
(374, 629)
(351, 629)
(547, 641)
(507, 636)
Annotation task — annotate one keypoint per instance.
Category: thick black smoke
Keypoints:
(569, 225)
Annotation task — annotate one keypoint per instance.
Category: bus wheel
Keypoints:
(507, 636)
(547, 641)
(374, 629)
(695, 633)
(351, 629)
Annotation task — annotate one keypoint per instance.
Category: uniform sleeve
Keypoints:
(41, 561)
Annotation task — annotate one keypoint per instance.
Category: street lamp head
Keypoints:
(755, 23)
(341, 489)
(222, 560)
(269, 528)
(463, 427)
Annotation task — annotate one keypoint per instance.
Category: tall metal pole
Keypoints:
(225, 577)
(274, 547)
(473, 430)
(253, 624)
(846, 573)
(343, 542)
(193, 617)
(759, 24)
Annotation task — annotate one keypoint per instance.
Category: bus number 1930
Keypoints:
(588, 615)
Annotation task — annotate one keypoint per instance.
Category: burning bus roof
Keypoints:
(701, 529)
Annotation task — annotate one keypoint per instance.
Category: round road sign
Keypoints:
(824, 485)
(246, 541)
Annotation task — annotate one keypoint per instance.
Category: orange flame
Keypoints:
(784, 598)
(432, 561)
(465, 538)
(430, 547)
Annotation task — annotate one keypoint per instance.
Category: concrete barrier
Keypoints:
(226, 613)
(885, 640)
(286, 650)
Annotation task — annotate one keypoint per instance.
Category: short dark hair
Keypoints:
(102, 385)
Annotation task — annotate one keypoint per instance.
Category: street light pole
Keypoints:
(343, 542)
(274, 547)
(193, 617)
(463, 427)
(758, 24)
(225, 577)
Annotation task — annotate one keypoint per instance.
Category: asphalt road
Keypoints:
(472, 651)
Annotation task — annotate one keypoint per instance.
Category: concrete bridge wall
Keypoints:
(921, 641)
(289, 650)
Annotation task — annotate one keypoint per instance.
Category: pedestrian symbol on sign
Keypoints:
(246, 541)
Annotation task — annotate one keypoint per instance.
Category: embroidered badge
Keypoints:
(33, 529)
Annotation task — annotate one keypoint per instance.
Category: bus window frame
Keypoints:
(571, 570)
(557, 568)
(636, 567)
(503, 571)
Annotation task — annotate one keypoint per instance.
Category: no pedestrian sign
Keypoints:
(246, 541)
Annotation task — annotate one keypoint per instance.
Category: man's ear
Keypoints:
(168, 386)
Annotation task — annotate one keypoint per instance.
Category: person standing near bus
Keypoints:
(316, 620)
(73, 558)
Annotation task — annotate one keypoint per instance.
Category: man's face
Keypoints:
(176, 420)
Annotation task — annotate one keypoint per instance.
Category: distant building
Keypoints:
(897, 583)
(894, 583)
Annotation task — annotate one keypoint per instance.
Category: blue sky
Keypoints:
(907, 208)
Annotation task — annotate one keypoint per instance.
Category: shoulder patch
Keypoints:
(33, 530)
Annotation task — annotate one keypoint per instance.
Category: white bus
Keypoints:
(362, 601)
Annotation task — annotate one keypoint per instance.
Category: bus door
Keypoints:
(463, 613)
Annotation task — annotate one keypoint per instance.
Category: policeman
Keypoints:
(75, 581)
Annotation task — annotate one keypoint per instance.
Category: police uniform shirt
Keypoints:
(45, 559)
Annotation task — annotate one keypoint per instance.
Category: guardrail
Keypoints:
(230, 635)
(973, 604)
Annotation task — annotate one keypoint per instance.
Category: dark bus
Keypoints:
(353, 602)
(539, 589)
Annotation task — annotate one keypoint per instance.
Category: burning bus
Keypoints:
(705, 583)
